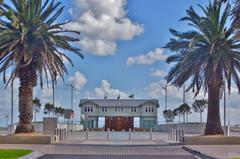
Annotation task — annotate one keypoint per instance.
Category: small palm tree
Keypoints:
(209, 55)
(184, 110)
(168, 115)
(32, 42)
(48, 109)
(199, 106)
(36, 107)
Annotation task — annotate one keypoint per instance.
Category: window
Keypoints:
(115, 109)
(146, 109)
(85, 109)
(105, 109)
(133, 109)
(91, 109)
(149, 109)
(102, 109)
(121, 109)
(152, 109)
(88, 109)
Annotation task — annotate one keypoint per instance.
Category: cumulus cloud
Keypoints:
(78, 80)
(148, 58)
(158, 73)
(105, 89)
(102, 24)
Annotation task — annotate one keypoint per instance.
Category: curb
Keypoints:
(198, 153)
(37, 154)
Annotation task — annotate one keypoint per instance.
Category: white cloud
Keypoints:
(102, 24)
(106, 89)
(78, 80)
(148, 58)
(46, 92)
(158, 73)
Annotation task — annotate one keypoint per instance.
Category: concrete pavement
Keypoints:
(217, 151)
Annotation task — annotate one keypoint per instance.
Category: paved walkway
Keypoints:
(217, 151)
(116, 152)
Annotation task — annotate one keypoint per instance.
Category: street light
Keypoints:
(166, 94)
(184, 94)
(72, 86)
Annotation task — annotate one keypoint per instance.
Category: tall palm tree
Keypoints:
(207, 56)
(236, 14)
(33, 42)
(36, 107)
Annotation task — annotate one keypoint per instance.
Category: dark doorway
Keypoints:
(118, 123)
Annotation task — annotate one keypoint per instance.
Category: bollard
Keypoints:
(150, 134)
(108, 133)
(87, 134)
(174, 134)
(177, 135)
(130, 134)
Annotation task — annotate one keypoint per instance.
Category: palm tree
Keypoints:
(208, 55)
(36, 107)
(48, 109)
(32, 42)
(236, 14)
(168, 115)
(199, 106)
(184, 110)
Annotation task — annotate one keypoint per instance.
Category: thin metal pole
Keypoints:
(184, 95)
(224, 102)
(12, 129)
(53, 89)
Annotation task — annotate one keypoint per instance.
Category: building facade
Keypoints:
(119, 114)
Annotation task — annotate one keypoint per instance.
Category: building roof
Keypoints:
(119, 102)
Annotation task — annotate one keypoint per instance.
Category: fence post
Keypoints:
(87, 134)
(174, 134)
(130, 134)
(108, 133)
(150, 134)
(177, 135)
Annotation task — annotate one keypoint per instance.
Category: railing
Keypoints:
(176, 135)
(62, 133)
(113, 135)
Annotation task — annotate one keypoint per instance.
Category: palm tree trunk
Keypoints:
(213, 126)
(28, 79)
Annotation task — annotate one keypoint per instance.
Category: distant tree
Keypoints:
(48, 109)
(199, 106)
(168, 115)
(176, 112)
(36, 107)
(58, 111)
(184, 110)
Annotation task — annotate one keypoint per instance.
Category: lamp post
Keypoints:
(184, 94)
(72, 86)
(166, 95)
(224, 104)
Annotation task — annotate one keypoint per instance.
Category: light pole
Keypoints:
(224, 104)
(184, 95)
(12, 126)
(72, 86)
(166, 94)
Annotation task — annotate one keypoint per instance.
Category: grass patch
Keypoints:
(235, 158)
(13, 154)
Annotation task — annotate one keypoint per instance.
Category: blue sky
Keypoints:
(121, 41)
